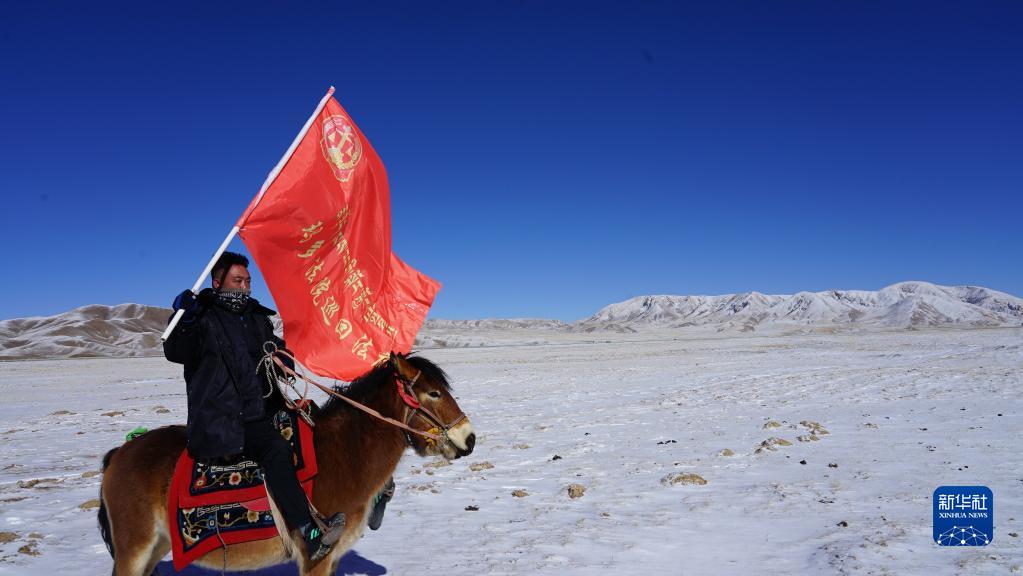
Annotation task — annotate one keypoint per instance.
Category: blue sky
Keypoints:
(545, 158)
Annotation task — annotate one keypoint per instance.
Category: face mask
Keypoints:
(233, 300)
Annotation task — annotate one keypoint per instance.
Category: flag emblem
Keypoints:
(341, 146)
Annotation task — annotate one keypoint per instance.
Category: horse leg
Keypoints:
(325, 567)
(134, 493)
(158, 551)
(328, 566)
(139, 543)
(334, 560)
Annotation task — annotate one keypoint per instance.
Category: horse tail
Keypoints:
(104, 521)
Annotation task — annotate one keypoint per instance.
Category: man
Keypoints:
(220, 342)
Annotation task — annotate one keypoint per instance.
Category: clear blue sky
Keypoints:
(545, 158)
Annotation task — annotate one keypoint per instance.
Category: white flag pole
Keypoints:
(198, 283)
(252, 206)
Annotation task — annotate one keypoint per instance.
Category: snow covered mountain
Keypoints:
(903, 305)
(95, 330)
(134, 329)
(495, 324)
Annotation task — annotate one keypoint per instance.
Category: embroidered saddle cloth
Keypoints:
(213, 501)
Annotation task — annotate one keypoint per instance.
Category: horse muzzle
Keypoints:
(462, 439)
(470, 443)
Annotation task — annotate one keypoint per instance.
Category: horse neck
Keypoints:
(356, 453)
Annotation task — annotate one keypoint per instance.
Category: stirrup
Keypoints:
(333, 528)
(320, 535)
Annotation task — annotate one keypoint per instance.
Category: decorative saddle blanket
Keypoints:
(211, 501)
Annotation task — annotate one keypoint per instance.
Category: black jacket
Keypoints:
(221, 352)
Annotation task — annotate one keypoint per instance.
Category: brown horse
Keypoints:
(356, 453)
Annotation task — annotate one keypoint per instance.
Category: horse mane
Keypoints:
(382, 374)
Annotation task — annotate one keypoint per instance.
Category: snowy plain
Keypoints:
(621, 415)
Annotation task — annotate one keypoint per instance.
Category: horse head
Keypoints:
(431, 409)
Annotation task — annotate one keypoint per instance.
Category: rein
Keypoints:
(404, 391)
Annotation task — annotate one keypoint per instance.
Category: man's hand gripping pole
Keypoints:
(198, 283)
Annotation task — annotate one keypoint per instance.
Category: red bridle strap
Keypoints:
(405, 393)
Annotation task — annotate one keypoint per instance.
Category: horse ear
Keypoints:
(403, 366)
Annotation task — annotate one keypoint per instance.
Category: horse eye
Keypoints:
(434, 394)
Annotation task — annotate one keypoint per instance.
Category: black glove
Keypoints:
(186, 301)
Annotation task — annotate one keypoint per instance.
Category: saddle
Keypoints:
(225, 500)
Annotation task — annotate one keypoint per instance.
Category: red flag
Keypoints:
(320, 231)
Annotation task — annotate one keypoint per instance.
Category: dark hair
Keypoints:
(224, 263)
(379, 376)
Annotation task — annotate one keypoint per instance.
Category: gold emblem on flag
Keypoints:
(341, 146)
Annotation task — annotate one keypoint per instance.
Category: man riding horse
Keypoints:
(220, 341)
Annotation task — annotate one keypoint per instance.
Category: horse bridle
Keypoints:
(414, 408)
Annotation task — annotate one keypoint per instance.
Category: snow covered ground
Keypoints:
(905, 413)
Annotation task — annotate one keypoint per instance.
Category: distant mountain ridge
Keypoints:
(134, 329)
(904, 305)
(495, 324)
(96, 330)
